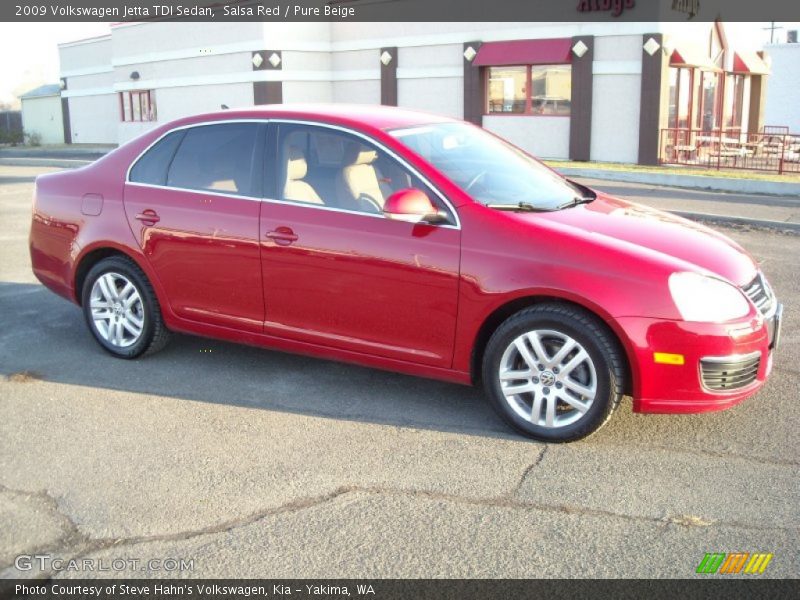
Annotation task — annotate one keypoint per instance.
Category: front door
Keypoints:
(338, 273)
(193, 202)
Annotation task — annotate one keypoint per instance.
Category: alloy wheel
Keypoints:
(548, 378)
(117, 310)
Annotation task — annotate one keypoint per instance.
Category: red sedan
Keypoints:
(411, 243)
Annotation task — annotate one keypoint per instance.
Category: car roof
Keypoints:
(357, 115)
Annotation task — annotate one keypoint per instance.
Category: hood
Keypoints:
(659, 231)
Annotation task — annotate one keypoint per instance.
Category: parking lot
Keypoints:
(254, 463)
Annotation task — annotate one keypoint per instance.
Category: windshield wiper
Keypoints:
(518, 207)
(587, 195)
(578, 200)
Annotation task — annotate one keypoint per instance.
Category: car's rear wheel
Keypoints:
(554, 372)
(121, 309)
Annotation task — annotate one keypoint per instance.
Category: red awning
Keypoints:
(524, 52)
(692, 57)
(749, 62)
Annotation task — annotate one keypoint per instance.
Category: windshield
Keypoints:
(490, 170)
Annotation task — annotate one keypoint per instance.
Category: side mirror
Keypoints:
(412, 206)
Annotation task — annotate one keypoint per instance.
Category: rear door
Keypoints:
(193, 202)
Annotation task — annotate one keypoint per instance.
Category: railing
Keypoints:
(774, 149)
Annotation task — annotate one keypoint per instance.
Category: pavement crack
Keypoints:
(76, 545)
(528, 471)
(508, 501)
(71, 533)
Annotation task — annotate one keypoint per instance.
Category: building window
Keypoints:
(529, 90)
(681, 95)
(709, 109)
(734, 101)
(137, 106)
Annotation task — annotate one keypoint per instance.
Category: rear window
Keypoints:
(152, 167)
(216, 158)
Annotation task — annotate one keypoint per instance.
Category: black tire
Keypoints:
(154, 334)
(593, 335)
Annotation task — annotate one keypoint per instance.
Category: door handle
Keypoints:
(148, 217)
(282, 236)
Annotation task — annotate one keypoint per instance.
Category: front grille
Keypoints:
(760, 294)
(725, 373)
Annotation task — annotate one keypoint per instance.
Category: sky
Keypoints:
(30, 53)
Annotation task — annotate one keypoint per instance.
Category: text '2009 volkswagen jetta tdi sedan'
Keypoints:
(411, 243)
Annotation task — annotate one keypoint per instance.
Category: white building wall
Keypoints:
(544, 137)
(85, 56)
(616, 98)
(357, 76)
(782, 106)
(307, 91)
(440, 95)
(431, 79)
(306, 77)
(197, 67)
(94, 119)
(42, 116)
(183, 101)
(93, 105)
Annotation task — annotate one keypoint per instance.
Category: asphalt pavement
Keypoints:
(255, 463)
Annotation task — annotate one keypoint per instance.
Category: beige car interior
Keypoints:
(359, 182)
(332, 169)
(296, 170)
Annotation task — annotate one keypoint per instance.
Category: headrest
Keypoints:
(356, 154)
(296, 166)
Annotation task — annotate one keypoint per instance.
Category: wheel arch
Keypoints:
(511, 307)
(94, 254)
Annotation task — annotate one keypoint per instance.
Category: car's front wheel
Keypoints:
(121, 308)
(554, 372)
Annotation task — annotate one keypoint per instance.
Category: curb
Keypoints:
(64, 163)
(792, 228)
(695, 182)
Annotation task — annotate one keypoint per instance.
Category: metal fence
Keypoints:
(773, 149)
(11, 127)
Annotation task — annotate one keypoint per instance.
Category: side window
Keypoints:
(152, 166)
(325, 167)
(216, 158)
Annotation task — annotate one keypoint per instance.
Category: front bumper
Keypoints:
(741, 347)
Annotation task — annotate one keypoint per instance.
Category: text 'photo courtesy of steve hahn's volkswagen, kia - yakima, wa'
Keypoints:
(408, 242)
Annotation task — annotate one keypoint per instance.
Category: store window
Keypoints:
(680, 97)
(734, 101)
(709, 108)
(137, 106)
(529, 90)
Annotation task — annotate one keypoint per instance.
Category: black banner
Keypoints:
(396, 589)
(398, 10)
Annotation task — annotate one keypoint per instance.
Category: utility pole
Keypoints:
(771, 30)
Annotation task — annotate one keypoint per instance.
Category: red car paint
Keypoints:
(413, 298)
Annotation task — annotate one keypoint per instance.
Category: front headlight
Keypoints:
(706, 299)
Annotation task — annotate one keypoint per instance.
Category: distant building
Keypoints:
(593, 90)
(41, 114)
(783, 107)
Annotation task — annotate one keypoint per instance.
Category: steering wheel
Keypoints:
(367, 201)
(475, 180)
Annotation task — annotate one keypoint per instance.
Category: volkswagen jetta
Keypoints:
(412, 243)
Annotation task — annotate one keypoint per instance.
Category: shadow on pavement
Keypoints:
(44, 337)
